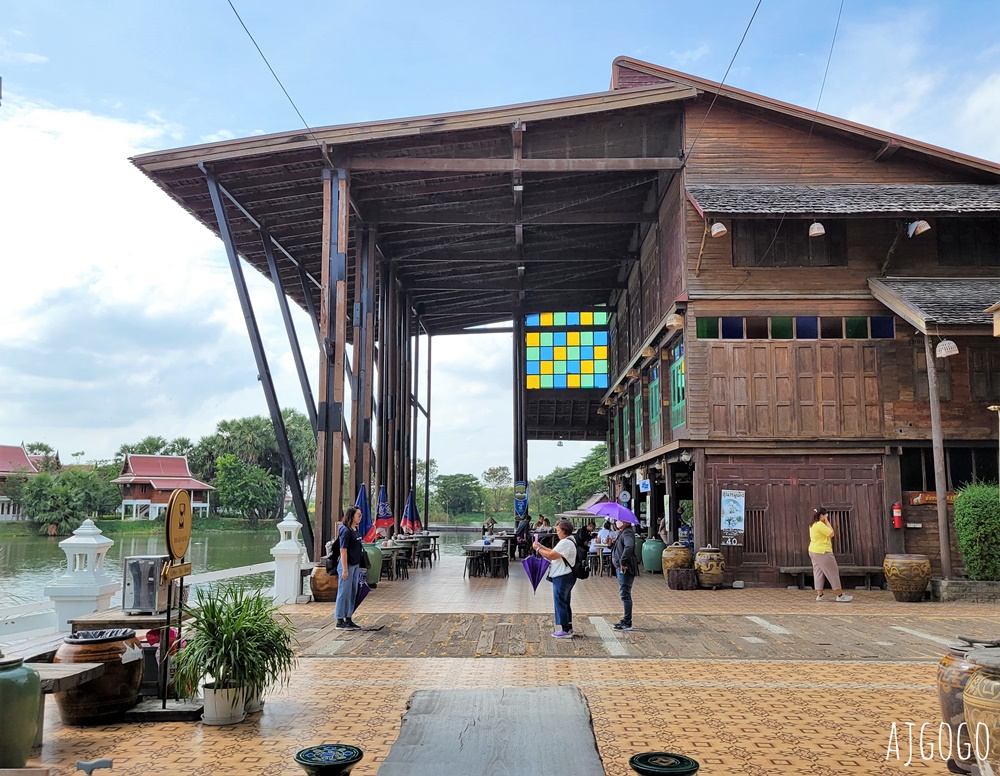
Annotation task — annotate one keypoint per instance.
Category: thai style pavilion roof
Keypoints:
(163, 472)
(13, 458)
(940, 305)
(848, 199)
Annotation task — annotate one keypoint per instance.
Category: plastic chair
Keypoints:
(403, 566)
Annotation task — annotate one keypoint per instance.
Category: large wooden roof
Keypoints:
(533, 207)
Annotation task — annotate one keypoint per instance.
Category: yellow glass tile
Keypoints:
(586, 319)
(558, 354)
(572, 381)
(546, 367)
(546, 319)
(534, 381)
(600, 352)
(572, 338)
(587, 367)
(532, 339)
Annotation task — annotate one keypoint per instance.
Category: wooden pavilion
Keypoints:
(739, 352)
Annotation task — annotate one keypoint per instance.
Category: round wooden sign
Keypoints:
(178, 524)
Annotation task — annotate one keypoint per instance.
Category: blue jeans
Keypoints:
(625, 593)
(346, 591)
(562, 589)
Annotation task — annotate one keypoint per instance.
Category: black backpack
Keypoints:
(581, 569)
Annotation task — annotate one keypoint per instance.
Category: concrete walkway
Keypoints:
(754, 681)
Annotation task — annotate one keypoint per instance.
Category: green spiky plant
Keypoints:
(237, 638)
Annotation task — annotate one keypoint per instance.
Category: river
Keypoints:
(29, 563)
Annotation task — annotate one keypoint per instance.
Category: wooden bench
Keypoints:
(57, 677)
(845, 571)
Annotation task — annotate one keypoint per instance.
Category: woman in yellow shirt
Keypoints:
(821, 553)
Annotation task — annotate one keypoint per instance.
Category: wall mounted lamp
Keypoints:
(675, 321)
(686, 456)
(632, 373)
(601, 411)
(816, 229)
(648, 352)
(718, 229)
(917, 227)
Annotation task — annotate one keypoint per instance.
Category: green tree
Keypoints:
(422, 481)
(246, 490)
(458, 493)
(13, 486)
(151, 445)
(66, 498)
(50, 459)
(178, 446)
(497, 482)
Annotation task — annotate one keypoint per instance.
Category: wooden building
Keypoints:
(664, 225)
(14, 460)
(797, 371)
(147, 481)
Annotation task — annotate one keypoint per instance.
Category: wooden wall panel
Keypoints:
(791, 390)
(650, 270)
(745, 144)
(699, 387)
(673, 249)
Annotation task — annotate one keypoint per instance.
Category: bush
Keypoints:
(977, 525)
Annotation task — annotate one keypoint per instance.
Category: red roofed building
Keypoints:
(13, 460)
(148, 480)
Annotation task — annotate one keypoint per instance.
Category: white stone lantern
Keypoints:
(287, 555)
(85, 587)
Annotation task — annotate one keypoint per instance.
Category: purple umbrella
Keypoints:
(535, 567)
(361, 583)
(614, 511)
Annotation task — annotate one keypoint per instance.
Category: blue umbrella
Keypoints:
(383, 513)
(365, 527)
(614, 511)
(411, 517)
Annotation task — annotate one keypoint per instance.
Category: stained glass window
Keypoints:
(566, 350)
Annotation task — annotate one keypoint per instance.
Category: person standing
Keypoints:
(561, 559)
(821, 553)
(624, 562)
(347, 568)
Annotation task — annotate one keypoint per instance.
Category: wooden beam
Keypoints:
(460, 165)
(458, 218)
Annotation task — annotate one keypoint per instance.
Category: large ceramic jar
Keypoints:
(907, 576)
(374, 564)
(652, 556)
(107, 697)
(677, 556)
(982, 708)
(710, 565)
(953, 674)
(323, 585)
(20, 696)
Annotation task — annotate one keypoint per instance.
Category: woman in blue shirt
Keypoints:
(347, 567)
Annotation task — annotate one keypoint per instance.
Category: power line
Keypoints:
(281, 85)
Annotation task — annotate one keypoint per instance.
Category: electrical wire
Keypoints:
(280, 84)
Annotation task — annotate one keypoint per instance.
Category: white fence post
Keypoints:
(287, 562)
(86, 586)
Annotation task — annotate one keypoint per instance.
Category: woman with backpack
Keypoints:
(561, 559)
(347, 567)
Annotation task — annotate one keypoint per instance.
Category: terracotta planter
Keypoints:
(20, 696)
(710, 565)
(676, 556)
(329, 759)
(953, 674)
(907, 576)
(110, 695)
(323, 585)
(981, 698)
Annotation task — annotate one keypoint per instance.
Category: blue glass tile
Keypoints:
(882, 327)
(600, 381)
(532, 320)
(559, 381)
(806, 328)
(533, 368)
(600, 338)
(573, 367)
(559, 339)
(572, 319)
(586, 354)
(546, 354)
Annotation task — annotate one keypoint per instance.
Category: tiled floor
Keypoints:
(745, 681)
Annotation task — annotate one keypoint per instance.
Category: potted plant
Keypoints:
(238, 645)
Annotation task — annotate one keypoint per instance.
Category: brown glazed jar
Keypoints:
(953, 674)
(710, 565)
(677, 556)
(982, 708)
(107, 697)
(907, 576)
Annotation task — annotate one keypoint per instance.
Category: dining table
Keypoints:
(479, 557)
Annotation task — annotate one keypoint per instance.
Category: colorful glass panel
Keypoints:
(566, 350)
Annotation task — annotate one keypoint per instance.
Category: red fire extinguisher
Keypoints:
(897, 515)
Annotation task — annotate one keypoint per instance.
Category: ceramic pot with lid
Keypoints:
(953, 674)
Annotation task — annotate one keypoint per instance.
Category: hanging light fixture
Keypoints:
(675, 321)
(917, 227)
(559, 443)
(632, 373)
(816, 229)
(648, 352)
(946, 348)
(718, 229)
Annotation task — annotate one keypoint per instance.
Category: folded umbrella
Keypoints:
(361, 587)
(366, 528)
(535, 567)
(614, 511)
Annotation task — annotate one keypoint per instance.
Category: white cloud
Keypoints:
(214, 137)
(979, 118)
(685, 58)
(19, 57)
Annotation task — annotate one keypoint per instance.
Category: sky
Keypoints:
(118, 317)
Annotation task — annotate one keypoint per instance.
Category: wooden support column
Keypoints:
(382, 437)
(520, 465)
(699, 481)
(406, 402)
(427, 437)
(416, 402)
(333, 328)
(392, 382)
(937, 446)
(368, 356)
